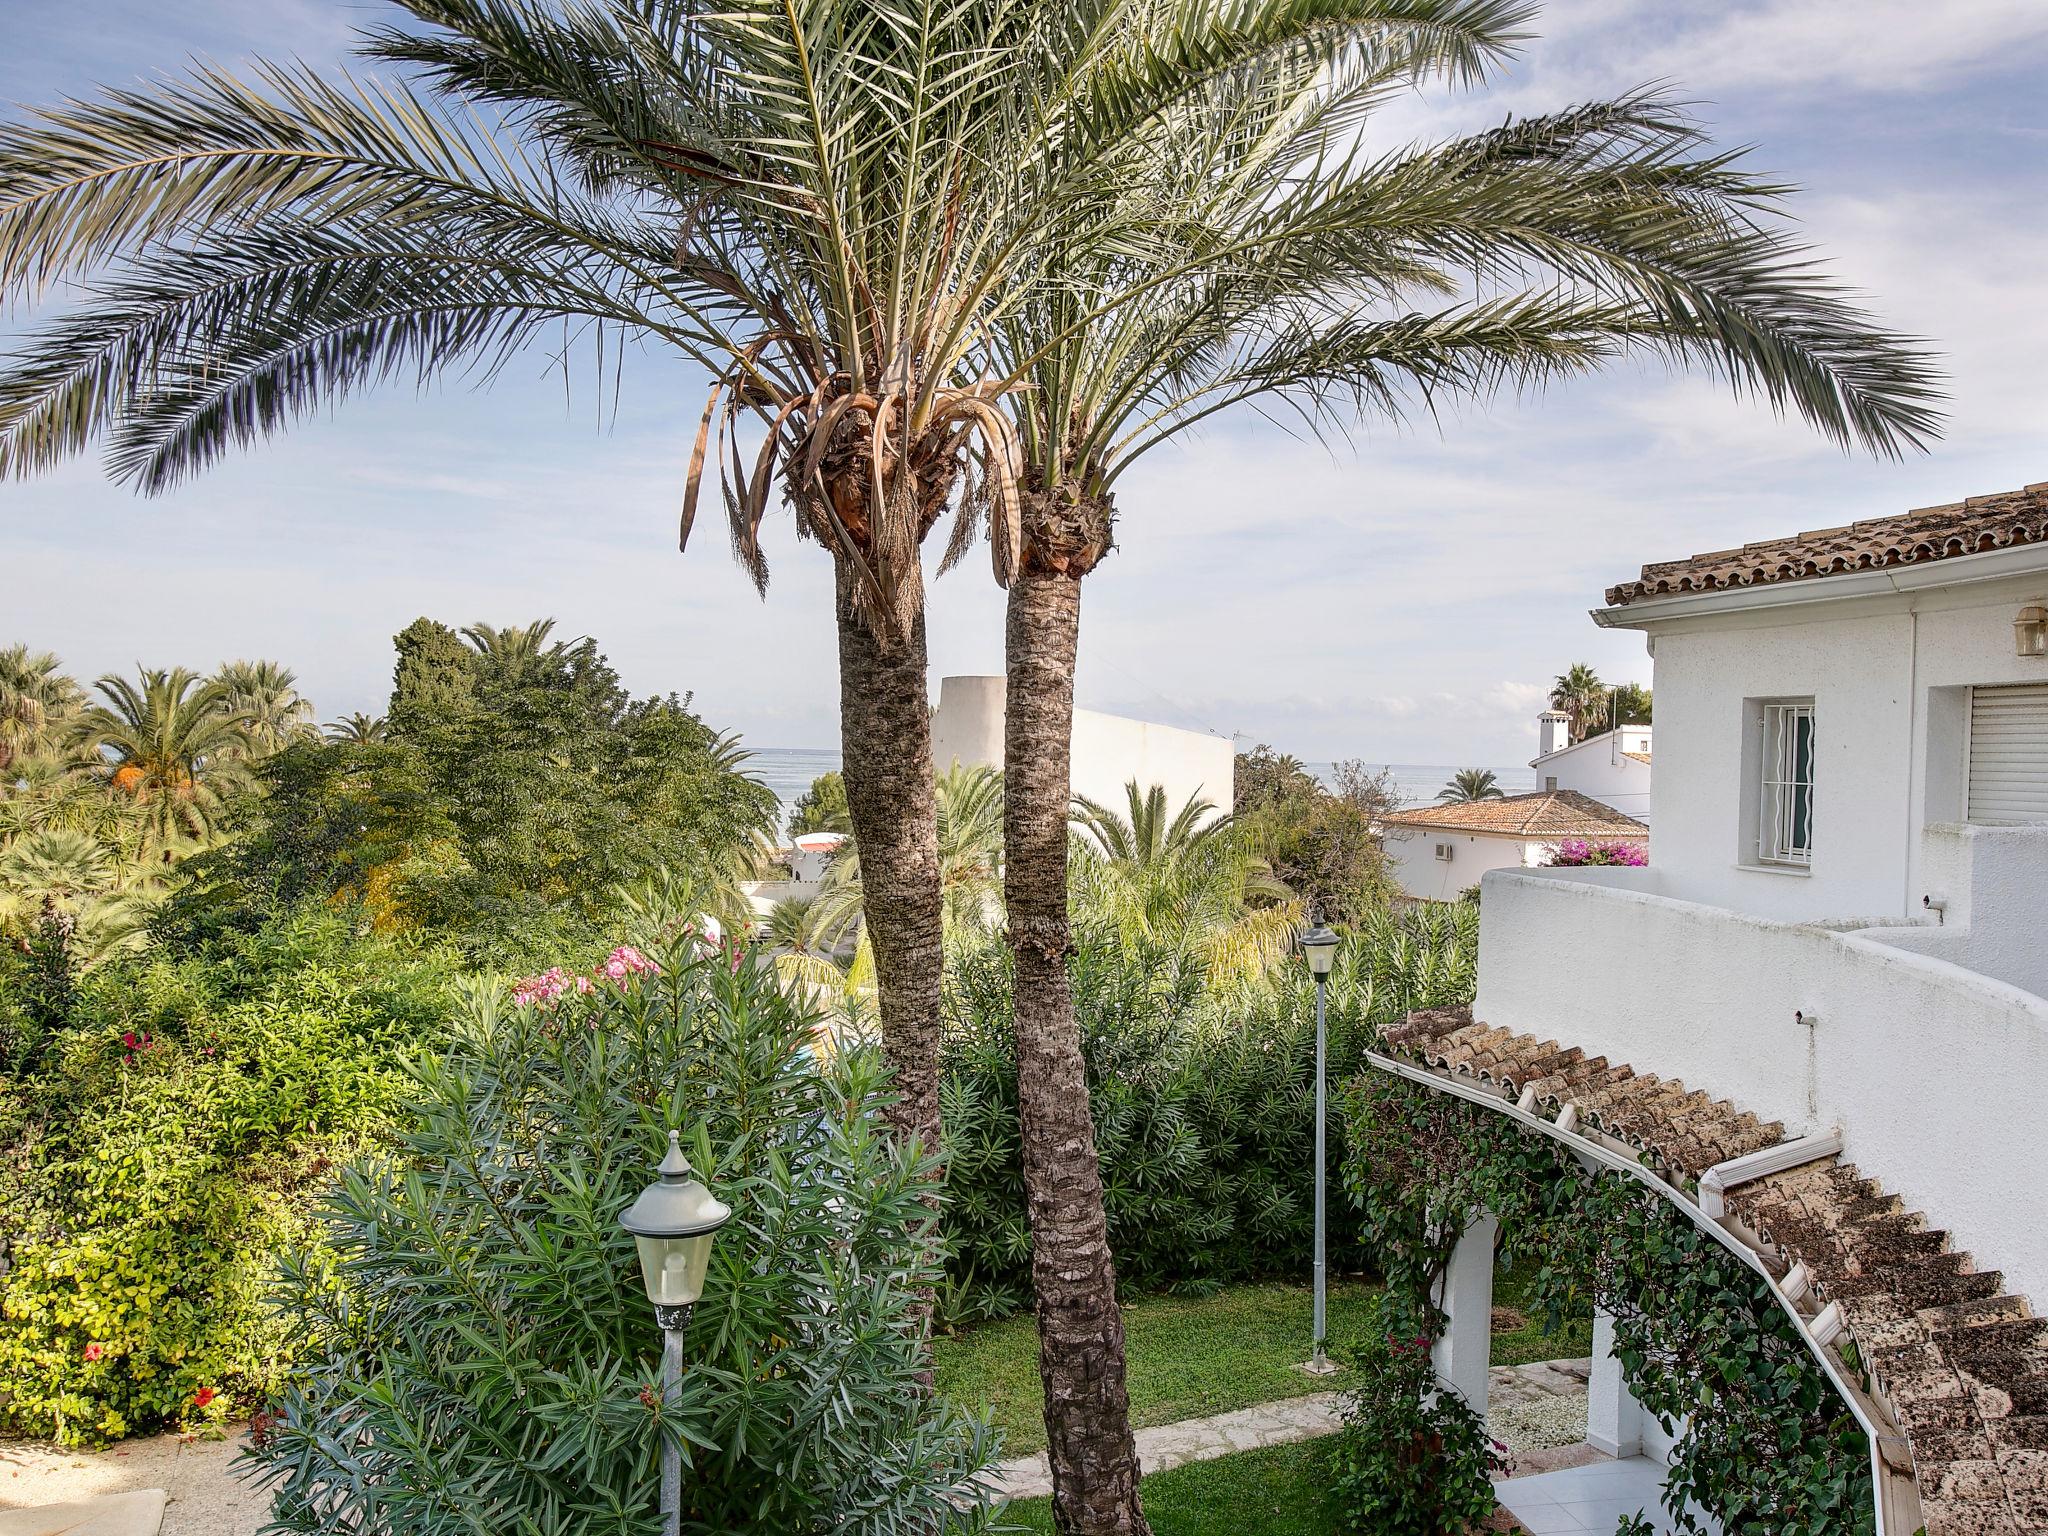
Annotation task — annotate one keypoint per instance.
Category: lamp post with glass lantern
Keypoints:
(1319, 946)
(673, 1222)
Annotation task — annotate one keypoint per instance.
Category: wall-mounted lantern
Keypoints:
(2030, 631)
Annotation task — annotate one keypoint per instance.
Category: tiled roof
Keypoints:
(1932, 533)
(1960, 1367)
(1546, 813)
(1641, 757)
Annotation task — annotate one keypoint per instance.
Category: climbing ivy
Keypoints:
(1765, 1443)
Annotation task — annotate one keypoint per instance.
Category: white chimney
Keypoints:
(1553, 732)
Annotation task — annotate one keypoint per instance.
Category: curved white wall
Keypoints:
(1933, 1073)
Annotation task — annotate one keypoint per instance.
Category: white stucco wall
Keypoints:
(1411, 854)
(1886, 673)
(1109, 750)
(1932, 1072)
(1602, 769)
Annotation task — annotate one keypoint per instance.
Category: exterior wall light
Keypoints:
(2030, 631)
(673, 1222)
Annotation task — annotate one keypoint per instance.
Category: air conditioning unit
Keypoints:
(1443, 853)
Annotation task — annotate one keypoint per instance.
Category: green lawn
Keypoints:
(1519, 1346)
(1274, 1492)
(1188, 1356)
(1195, 1355)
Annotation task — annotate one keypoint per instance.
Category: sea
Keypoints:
(789, 772)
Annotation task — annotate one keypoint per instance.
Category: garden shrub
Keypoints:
(480, 1355)
(1411, 1459)
(166, 1144)
(1203, 1098)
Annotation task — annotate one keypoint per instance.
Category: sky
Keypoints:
(1401, 597)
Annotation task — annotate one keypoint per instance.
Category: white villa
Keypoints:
(1613, 767)
(1822, 1028)
(1110, 751)
(1437, 852)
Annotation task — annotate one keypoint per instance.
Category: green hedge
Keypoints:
(166, 1143)
(1204, 1104)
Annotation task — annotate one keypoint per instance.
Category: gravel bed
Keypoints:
(1539, 1426)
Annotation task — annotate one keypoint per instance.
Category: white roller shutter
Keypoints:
(2009, 754)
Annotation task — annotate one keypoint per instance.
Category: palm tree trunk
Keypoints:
(1080, 1328)
(886, 744)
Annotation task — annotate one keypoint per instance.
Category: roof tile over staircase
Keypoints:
(1959, 1365)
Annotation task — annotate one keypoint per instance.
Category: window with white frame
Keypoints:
(1784, 822)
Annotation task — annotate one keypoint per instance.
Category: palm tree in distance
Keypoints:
(264, 696)
(170, 744)
(969, 801)
(514, 648)
(1469, 784)
(1583, 697)
(35, 700)
(359, 729)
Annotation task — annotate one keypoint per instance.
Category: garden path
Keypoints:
(206, 1499)
(1523, 1389)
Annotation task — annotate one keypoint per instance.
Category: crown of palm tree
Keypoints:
(172, 744)
(515, 645)
(265, 697)
(1469, 784)
(359, 729)
(35, 699)
(969, 801)
(1579, 692)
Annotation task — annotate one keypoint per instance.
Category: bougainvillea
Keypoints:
(1575, 851)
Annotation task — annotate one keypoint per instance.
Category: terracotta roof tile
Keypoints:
(1546, 813)
(1960, 1366)
(1932, 533)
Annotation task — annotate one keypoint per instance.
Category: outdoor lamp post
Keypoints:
(1319, 945)
(673, 1222)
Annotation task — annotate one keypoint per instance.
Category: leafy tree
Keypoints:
(171, 744)
(1582, 696)
(1319, 843)
(435, 677)
(1630, 704)
(506, 1300)
(822, 807)
(1469, 784)
(264, 697)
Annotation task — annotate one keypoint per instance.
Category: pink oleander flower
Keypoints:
(542, 989)
(94, 1351)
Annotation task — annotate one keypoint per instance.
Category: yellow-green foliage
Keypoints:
(166, 1145)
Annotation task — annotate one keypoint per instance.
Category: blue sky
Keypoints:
(1403, 598)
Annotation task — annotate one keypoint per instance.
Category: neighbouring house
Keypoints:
(1438, 851)
(1613, 767)
(807, 857)
(1109, 750)
(1822, 1019)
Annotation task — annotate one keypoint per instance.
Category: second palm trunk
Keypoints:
(1080, 1328)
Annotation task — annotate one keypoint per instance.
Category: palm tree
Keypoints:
(359, 729)
(171, 746)
(264, 696)
(969, 805)
(1311, 269)
(1581, 695)
(1469, 784)
(35, 699)
(822, 204)
(1180, 879)
(514, 648)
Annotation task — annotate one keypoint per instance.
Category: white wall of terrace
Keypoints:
(1933, 1073)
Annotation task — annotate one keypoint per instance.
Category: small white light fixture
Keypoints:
(2030, 631)
(673, 1222)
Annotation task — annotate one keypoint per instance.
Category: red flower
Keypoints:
(93, 1351)
(202, 1397)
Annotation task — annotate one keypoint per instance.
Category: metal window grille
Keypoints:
(1785, 808)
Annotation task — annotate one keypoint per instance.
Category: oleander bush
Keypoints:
(1204, 1102)
(480, 1356)
(167, 1137)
